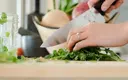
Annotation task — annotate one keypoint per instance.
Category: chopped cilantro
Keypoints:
(85, 54)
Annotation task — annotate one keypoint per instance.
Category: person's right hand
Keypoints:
(107, 5)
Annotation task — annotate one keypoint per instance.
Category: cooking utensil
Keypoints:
(23, 32)
(30, 43)
(31, 46)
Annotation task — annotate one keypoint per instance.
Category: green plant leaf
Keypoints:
(1, 40)
(69, 10)
(69, 4)
(85, 54)
(63, 4)
(60, 4)
(7, 34)
(5, 49)
(3, 18)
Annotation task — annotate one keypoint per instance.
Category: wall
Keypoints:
(123, 12)
(8, 6)
(124, 18)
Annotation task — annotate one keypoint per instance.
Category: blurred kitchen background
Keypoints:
(28, 37)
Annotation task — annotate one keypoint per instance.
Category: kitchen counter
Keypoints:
(62, 69)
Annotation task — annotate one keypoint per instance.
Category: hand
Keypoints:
(107, 4)
(97, 34)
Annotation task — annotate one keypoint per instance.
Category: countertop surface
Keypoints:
(59, 69)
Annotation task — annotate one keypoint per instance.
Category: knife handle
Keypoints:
(99, 4)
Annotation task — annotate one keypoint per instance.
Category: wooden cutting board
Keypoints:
(63, 69)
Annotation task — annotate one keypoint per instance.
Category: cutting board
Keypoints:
(62, 69)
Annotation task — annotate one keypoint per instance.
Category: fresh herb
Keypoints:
(66, 61)
(8, 56)
(85, 54)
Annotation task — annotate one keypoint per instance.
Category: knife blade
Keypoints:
(60, 36)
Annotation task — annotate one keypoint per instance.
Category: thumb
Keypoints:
(107, 4)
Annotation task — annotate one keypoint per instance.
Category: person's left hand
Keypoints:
(98, 34)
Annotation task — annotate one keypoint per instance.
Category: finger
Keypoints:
(110, 9)
(83, 44)
(75, 31)
(119, 3)
(91, 3)
(76, 38)
(107, 4)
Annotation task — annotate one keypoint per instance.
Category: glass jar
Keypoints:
(8, 33)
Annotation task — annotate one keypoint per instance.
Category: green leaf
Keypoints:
(3, 18)
(85, 54)
(7, 34)
(60, 5)
(3, 57)
(1, 40)
(69, 10)
(114, 55)
(12, 52)
(63, 4)
(69, 4)
(4, 15)
(5, 49)
(66, 61)
(12, 59)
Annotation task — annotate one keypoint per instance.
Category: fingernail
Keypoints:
(104, 8)
(74, 49)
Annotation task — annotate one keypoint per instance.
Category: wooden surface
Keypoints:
(61, 69)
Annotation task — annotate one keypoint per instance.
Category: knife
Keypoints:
(60, 36)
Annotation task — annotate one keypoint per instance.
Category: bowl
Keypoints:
(44, 31)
